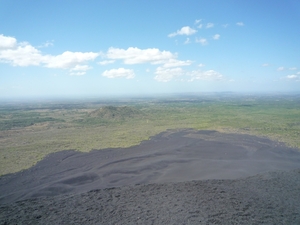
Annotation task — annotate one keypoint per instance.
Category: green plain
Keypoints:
(30, 131)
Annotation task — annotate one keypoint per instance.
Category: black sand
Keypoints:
(184, 177)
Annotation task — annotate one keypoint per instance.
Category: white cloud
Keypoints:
(187, 41)
(209, 75)
(105, 62)
(265, 64)
(119, 73)
(298, 72)
(79, 70)
(167, 74)
(281, 68)
(293, 68)
(78, 73)
(203, 41)
(138, 56)
(46, 44)
(7, 42)
(291, 76)
(183, 31)
(24, 54)
(210, 25)
(176, 63)
(197, 21)
(216, 36)
(151, 55)
(69, 59)
(201, 65)
(240, 24)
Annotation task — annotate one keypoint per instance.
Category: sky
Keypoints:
(76, 48)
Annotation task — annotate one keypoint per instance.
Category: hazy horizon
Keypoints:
(111, 99)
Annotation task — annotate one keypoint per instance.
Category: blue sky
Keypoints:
(64, 48)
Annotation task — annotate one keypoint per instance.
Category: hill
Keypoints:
(116, 113)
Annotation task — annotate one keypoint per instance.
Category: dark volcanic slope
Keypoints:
(168, 157)
(269, 198)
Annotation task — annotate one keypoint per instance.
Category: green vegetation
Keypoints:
(118, 113)
(7, 124)
(29, 132)
(108, 115)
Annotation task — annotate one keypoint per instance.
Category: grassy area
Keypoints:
(29, 132)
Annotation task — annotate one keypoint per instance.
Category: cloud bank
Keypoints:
(169, 67)
(23, 54)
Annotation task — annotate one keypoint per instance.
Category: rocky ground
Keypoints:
(183, 177)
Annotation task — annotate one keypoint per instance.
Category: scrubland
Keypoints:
(30, 131)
